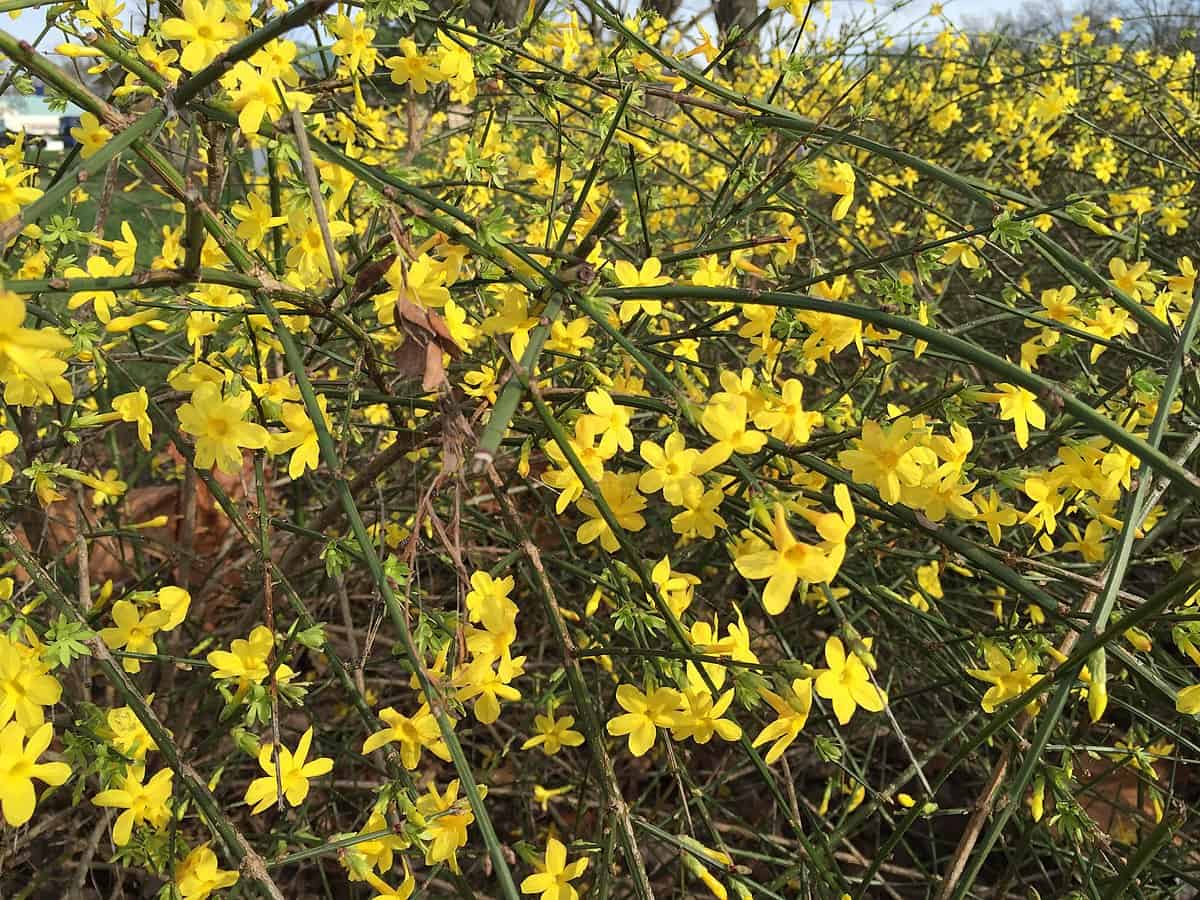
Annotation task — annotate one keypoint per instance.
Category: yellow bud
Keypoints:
(1139, 639)
(593, 603)
(523, 462)
(1098, 692)
(1037, 798)
(75, 51)
(156, 522)
(1056, 655)
(856, 798)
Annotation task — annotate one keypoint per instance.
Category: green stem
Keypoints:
(967, 352)
(23, 54)
(588, 716)
(674, 626)
(329, 847)
(144, 281)
(246, 47)
(399, 616)
(510, 395)
(142, 128)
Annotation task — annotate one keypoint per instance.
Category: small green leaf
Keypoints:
(65, 642)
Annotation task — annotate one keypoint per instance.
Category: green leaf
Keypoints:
(65, 642)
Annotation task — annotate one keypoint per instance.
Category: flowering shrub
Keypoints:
(588, 456)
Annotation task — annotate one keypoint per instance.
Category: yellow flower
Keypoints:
(488, 601)
(1037, 799)
(628, 276)
(26, 685)
(9, 441)
(29, 366)
(610, 421)
(675, 588)
(725, 421)
(1131, 278)
(1007, 680)
(787, 419)
(446, 824)
(564, 478)
(19, 766)
(542, 796)
(294, 773)
(994, 513)
(255, 220)
(107, 488)
(699, 717)
(1091, 544)
(421, 282)
(387, 892)
(133, 631)
(216, 423)
(414, 734)
(132, 407)
(553, 879)
(174, 601)
(1047, 503)
(198, 875)
(414, 67)
(159, 60)
(457, 65)
(256, 95)
(1019, 406)
(127, 733)
(488, 684)
(569, 337)
(141, 802)
(699, 517)
(481, 383)
(1059, 305)
(13, 193)
(790, 561)
(203, 31)
(377, 853)
(553, 734)
(840, 183)
(354, 43)
(620, 494)
(300, 437)
(884, 457)
(90, 134)
(645, 713)
(462, 331)
(1187, 701)
(847, 683)
(792, 713)
(245, 660)
(963, 252)
(672, 469)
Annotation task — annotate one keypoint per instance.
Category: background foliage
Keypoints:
(457, 450)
